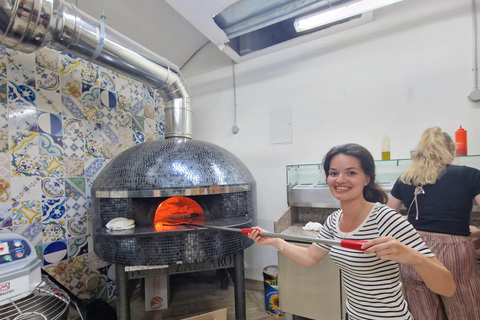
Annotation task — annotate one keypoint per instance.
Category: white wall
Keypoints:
(408, 70)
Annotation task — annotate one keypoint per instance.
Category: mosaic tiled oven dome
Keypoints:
(134, 183)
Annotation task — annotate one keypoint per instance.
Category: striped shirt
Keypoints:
(373, 286)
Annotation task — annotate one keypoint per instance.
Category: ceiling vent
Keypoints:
(249, 28)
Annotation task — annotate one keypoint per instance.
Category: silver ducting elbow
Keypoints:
(28, 25)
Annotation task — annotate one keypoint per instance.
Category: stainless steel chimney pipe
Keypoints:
(29, 25)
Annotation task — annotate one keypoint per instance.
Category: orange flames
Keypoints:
(175, 211)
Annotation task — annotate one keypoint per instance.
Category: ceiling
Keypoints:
(186, 33)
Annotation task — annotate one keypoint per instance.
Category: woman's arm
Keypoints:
(475, 233)
(433, 272)
(307, 257)
(394, 203)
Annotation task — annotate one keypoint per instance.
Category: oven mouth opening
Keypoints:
(177, 211)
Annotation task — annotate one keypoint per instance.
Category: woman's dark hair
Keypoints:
(372, 192)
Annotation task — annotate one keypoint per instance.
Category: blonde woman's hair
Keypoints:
(435, 151)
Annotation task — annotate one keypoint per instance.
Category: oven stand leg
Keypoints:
(125, 290)
(239, 281)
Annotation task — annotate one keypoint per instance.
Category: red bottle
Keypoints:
(461, 141)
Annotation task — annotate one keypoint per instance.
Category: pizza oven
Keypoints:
(167, 180)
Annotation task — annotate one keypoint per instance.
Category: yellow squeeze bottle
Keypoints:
(385, 148)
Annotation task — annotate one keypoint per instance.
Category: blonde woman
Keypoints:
(439, 198)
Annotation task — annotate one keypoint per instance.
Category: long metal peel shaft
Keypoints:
(351, 244)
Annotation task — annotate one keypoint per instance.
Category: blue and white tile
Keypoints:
(109, 133)
(53, 209)
(73, 147)
(55, 251)
(138, 137)
(124, 119)
(137, 108)
(32, 232)
(73, 108)
(20, 95)
(93, 166)
(50, 123)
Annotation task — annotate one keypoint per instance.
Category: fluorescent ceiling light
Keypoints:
(338, 13)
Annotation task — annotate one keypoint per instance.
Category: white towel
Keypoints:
(313, 226)
(120, 224)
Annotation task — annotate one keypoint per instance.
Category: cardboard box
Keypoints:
(157, 292)
(215, 315)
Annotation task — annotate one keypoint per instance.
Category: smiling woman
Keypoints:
(371, 278)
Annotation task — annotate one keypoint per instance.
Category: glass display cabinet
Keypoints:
(306, 183)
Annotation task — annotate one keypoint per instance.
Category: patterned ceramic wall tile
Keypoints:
(74, 167)
(50, 144)
(53, 209)
(26, 188)
(3, 114)
(26, 212)
(51, 166)
(48, 59)
(5, 164)
(22, 119)
(23, 165)
(63, 119)
(73, 147)
(70, 65)
(75, 187)
(53, 188)
(58, 270)
(47, 80)
(24, 142)
(54, 230)
(50, 101)
(72, 128)
(5, 215)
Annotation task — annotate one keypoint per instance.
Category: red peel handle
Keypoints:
(246, 231)
(353, 244)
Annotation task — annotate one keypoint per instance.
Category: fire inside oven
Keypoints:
(176, 211)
